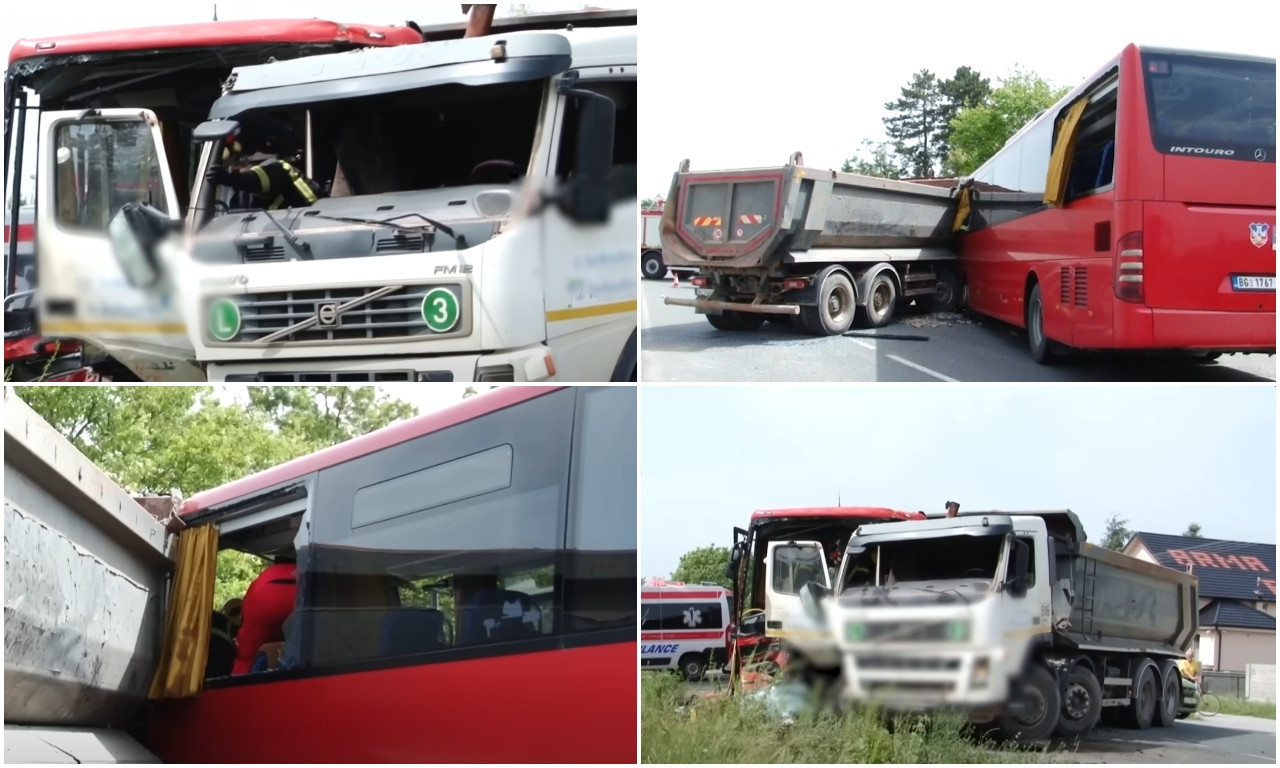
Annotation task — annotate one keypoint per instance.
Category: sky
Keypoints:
(745, 85)
(1161, 457)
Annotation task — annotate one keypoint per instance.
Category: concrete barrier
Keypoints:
(1260, 682)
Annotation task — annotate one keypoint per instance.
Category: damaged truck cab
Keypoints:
(476, 223)
(1010, 617)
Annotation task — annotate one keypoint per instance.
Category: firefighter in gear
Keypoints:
(259, 171)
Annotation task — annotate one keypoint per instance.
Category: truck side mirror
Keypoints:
(735, 560)
(1021, 563)
(811, 595)
(587, 199)
(134, 233)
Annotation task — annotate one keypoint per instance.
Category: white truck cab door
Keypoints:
(590, 269)
(788, 566)
(92, 164)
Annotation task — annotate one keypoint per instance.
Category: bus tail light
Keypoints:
(1128, 268)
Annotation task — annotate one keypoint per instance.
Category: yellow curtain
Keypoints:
(962, 211)
(185, 648)
(1055, 185)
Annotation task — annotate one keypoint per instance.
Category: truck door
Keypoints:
(91, 164)
(788, 566)
(589, 269)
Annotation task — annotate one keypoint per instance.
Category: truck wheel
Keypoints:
(833, 314)
(947, 292)
(1081, 703)
(652, 266)
(1146, 698)
(882, 298)
(1170, 694)
(1033, 711)
(1041, 347)
(693, 666)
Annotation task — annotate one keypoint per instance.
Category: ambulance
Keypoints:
(684, 627)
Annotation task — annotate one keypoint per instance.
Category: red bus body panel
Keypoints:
(213, 34)
(503, 709)
(1194, 215)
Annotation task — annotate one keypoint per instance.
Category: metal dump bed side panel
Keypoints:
(85, 576)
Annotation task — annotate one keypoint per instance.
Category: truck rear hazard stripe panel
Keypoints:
(707, 221)
(750, 218)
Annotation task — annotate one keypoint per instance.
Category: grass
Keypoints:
(740, 730)
(1234, 706)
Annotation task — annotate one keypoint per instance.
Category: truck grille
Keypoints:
(307, 378)
(905, 664)
(933, 631)
(397, 315)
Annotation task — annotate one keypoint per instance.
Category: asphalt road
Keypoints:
(678, 345)
(1228, 739)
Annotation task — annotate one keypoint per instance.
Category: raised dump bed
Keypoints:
(811, 243)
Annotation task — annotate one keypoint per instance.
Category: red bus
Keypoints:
(466, 593)
(780, 552)
(1137, 213)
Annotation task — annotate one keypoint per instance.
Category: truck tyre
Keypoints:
(1041, 347)
(1081, 703)
(1034, 710)
(837, 304)
(652, 266)
(1141, 711)
(948, 292)
(1170, 694)
(732, 320)
(693, 666)
(882, 300)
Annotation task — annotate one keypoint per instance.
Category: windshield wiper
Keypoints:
(947, 592)
(302, 248)
(459, 240)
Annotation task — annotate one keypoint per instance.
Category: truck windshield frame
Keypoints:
(870, 554)
(1211, 106)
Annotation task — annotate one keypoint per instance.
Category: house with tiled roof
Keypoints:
(1237, 590)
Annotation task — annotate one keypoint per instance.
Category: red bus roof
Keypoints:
(471, 408)
(874, 512)
(211, 34)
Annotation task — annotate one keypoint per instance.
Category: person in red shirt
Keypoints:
(267, 603)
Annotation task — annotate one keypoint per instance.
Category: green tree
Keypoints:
(187, 439)
(1193, 531)
(704, 564)
(1117, 533)
(914, 121)
(874, 159)
(966, 89)
(978, 132)
(322, 416)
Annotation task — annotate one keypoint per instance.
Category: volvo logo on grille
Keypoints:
(327, 315)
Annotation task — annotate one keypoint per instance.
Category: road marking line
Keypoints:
(920, 368)
(865, 343)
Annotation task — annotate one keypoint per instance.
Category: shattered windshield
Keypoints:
(924, 560)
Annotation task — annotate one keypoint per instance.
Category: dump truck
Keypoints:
(652, 265)
(85, 570)
(811, 246)
(1011, 617)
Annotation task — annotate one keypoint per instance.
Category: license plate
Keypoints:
(1251, 283)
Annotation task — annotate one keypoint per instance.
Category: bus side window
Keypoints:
(1093, 162)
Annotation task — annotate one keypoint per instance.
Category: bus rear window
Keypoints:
(1212, 107)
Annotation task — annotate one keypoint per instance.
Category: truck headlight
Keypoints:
(981, 672)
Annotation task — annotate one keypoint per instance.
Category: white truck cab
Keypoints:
(478, 222)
